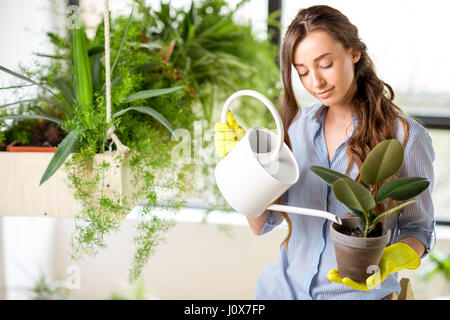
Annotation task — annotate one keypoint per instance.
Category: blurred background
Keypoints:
(212, 254)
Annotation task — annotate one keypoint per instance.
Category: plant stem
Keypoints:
(366, 231)
(372, 190)
(390, 212)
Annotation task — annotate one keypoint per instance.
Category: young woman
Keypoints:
(355, 114)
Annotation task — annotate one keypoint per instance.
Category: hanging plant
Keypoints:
(82, 115)
(161, 78)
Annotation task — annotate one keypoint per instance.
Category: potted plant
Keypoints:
(360, 240)
(97, 187)
(151, 52)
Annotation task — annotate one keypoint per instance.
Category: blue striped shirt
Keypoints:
(301, 272)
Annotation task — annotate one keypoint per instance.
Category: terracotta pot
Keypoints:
(13, 148)
(357, 258)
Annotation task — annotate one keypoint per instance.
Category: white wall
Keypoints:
(26, 241)
(198, 261)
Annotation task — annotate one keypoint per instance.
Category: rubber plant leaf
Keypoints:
(382, 162)
(62, 152)
(32, 116)
(354, 212)
(152, 112)
(327, 175)
(353, 195)
(390, 212)
(402, 188)
(82, 69)
(145, 94)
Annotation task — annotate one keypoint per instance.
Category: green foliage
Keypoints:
(441, 263)
(82, 69)
(354, 195)
(402, 188)
(46, 289)
(217, 55)
(327, 175)
(381, 163)
(170, 69)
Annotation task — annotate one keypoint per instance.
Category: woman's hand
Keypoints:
(227, 135)
(396, 257)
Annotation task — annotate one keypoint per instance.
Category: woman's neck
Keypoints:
(342, 113)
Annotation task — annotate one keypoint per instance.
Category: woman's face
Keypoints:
(325, 67)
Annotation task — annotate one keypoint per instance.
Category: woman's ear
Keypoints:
(356, 55)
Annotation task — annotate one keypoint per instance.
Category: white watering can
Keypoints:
(260, 168)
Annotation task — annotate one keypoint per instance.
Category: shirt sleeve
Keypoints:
(274, 218)
(417, 219)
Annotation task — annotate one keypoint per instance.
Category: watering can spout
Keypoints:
(306, 211)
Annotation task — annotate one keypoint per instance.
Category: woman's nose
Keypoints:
(317, 80)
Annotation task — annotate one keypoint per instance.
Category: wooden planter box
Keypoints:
(21, 195)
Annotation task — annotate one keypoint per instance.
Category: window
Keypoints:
(409, 47)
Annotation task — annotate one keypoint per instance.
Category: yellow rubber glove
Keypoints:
(227, 135)
(396, 257)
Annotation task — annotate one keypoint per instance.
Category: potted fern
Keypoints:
(360, 240)
(97, 187)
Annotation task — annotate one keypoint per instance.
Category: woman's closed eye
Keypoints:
(323, 67)
(328, 66)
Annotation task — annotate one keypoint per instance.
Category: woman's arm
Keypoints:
(257, 224)
(416, 222)
(414, 243)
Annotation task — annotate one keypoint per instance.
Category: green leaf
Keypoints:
(66, 90)
(19, 102)
(59, 106)
(32, 116)
(17, 86)
(44, 55)
(96, 50)
(354, 212)
(145, 94)
(390, 212)
(150, 111)
(83, 78)
(327, 175)
(57, 40)
(15, 74)
(142, 67)
(382, 162)
(123, 39)
(402, 188)
(353, 195)
(362, 223)
(62, 152)
(26, 79)
(96, 72)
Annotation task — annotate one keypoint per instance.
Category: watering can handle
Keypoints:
(267, 103)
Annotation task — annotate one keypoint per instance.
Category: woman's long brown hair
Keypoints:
(373, 105)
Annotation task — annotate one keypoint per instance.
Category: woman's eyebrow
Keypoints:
(318, 58)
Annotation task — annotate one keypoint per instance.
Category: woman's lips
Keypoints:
(324, 94)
